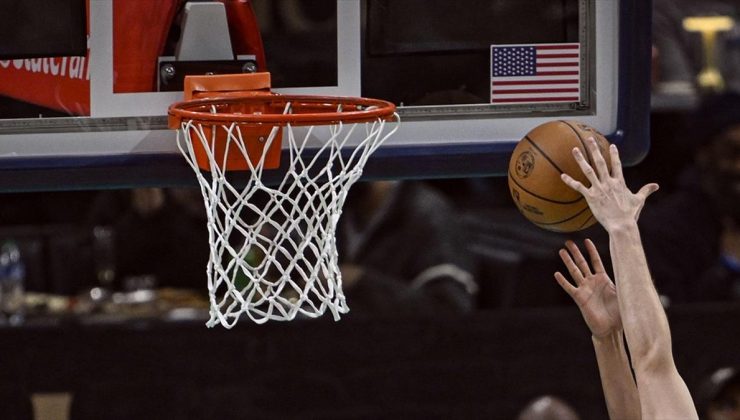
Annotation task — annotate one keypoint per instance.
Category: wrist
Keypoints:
(623, 227)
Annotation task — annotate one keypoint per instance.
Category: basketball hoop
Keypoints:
(273, 253)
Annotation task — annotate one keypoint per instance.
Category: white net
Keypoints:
(273, 251)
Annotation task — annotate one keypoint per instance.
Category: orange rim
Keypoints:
(305, 110)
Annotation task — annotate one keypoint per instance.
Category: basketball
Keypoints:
(534, 175)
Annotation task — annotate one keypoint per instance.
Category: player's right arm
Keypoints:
(662, 392)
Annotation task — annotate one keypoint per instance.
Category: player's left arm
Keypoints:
(596, 297)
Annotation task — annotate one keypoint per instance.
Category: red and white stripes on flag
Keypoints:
(535, 73)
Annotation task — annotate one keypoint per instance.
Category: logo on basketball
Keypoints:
(524, 164)
(532, 209)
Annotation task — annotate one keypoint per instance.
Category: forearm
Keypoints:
(662, 392)
(643, 318)
(620, 391)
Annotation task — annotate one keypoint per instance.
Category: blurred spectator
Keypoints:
(158, 232)
(692, 237)
(401, 249)
(399, 245)
(718, 397)
(548, 408)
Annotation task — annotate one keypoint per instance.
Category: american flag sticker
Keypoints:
(535, 73)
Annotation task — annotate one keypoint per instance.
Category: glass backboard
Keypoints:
(470, 78)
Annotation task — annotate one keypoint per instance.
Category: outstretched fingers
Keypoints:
(565, 284)
(593, 253)
(578, 258)
(572, 183)
(586, 168)
(602, 170)
(616, 162)
(575, 273)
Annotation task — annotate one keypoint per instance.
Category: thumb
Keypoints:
(646, 190)
(643, 195)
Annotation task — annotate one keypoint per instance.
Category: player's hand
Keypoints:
(594, 292)
(611, 202)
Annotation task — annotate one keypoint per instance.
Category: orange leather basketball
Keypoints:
(534, 175)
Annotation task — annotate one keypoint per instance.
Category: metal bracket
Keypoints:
(204, 48)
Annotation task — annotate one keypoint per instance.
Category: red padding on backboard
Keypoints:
(244, 30)
(140, 30)
(60, 83)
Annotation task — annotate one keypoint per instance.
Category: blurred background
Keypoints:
(454, 310)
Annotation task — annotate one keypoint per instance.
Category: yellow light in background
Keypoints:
(709, 79)
(708, 23)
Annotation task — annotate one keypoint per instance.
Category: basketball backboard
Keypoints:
(98, 121)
